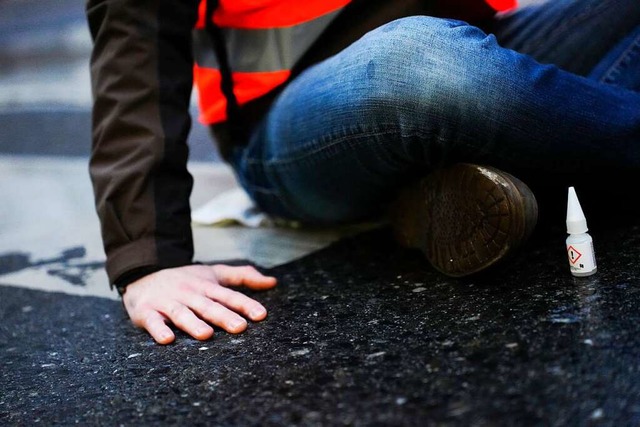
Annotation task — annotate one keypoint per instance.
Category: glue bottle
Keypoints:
(582, 258)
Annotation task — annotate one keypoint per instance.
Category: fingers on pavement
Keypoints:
(154, 323)
(216, 313)
(237, 302)
(244, 275)
(183, 318)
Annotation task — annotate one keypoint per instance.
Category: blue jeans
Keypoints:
(420, 92)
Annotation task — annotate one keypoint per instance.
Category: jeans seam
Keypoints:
(633, 49)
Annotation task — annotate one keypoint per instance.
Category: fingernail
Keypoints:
(257, 312)
(237, 324)
(164, 336)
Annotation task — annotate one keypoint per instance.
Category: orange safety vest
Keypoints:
(267, 38)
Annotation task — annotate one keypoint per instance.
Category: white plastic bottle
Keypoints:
(582, 258)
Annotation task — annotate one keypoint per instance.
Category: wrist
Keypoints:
(129, 277)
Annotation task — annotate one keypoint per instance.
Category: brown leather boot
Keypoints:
(465, 218)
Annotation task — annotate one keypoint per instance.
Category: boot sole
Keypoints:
(465, 218)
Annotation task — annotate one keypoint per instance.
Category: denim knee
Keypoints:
(423, 64)
(410, 42)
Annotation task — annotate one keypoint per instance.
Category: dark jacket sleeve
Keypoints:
(141, 72)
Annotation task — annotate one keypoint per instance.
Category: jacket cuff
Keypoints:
(129, 257)
(127, 278)
(140, 258)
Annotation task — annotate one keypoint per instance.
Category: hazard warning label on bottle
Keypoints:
(581, 257)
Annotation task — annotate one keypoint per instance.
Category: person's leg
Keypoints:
(422, 92)
(599, 39)
(575, 35)
(620, 66)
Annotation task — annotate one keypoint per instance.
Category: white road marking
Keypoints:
(50, 232)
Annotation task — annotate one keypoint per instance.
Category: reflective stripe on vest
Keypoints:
(264, 39)
(271, 49)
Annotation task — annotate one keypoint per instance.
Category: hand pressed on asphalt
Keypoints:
(193, 295)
